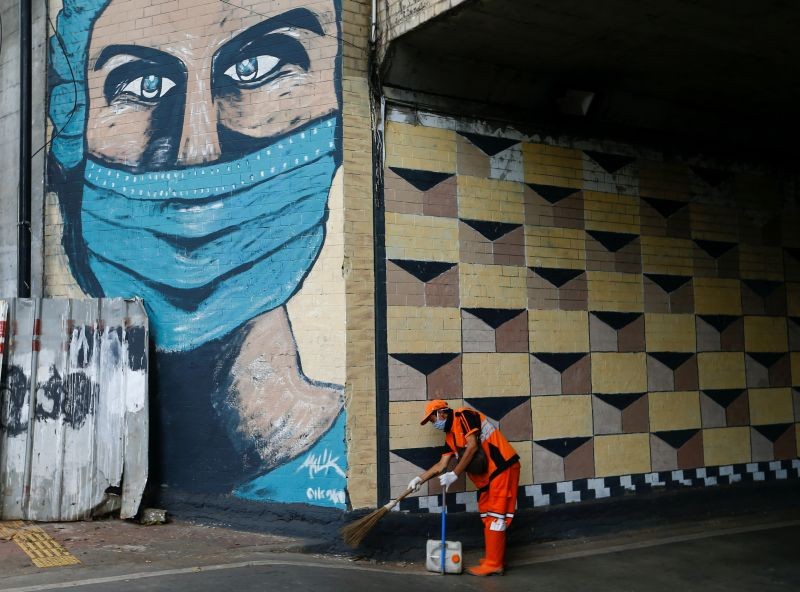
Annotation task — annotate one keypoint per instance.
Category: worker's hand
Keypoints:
(415, 484)
(447, 479)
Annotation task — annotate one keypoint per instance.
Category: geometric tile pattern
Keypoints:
(611, 313)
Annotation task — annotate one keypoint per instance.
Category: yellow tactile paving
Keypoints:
(43, 550)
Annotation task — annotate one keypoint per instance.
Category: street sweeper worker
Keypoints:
(492, 464)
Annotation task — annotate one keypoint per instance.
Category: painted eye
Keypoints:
(252, 68)
(149, 87)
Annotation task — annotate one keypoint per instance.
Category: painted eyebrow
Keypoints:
(138, 51)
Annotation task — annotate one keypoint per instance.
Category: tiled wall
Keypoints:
(623, 318)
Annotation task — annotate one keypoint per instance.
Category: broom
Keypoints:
(355, 532)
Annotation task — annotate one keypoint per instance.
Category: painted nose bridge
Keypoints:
(199, 138)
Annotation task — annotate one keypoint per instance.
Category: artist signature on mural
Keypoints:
(321, 463)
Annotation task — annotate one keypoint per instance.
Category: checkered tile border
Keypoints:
(565, 492)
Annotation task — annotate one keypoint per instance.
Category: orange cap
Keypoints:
(432, 406)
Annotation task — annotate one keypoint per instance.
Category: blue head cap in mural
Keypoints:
(207, 159)
(193, 160)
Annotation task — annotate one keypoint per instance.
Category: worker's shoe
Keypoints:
(486, 569)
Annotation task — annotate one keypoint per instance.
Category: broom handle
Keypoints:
(402, 496)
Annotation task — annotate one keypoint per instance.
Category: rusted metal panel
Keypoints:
(73, 421)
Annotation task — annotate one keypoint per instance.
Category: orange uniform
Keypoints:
(497, 485)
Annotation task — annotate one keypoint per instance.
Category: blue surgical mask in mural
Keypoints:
(210, 247)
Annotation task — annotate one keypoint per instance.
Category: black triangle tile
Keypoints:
(719, 322)
(420, 457)
(563, 447)
(616, 320)
(668, 283)
(773, 431)
(612, 241)
(611, 163)
(723, 397)
(491, 230)
(495, 317)
(762, 287)
(714, 249)
(425, 363)
(672, 360)
(552, 193)
(712, 177)
(489, 145)
(620, 400)
(421, 180)
(795, 320)
(424, 271)
(497, 407)
(557, 277)
(676, 438)
(665, 207)
(794, 252)
(559, 361)
(766, 359)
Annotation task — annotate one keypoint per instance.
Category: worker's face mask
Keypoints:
(440, 424)
(212, 246)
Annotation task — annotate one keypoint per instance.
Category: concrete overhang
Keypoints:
(698, 76)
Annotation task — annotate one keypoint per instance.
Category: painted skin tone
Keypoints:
(208, 84)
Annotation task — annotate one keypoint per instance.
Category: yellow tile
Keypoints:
(621, 454)
(771, 405)
(797, 437)
(525, 468)
(490, 199)
(678, 410)
(726, 446)
(765, 334)
(721, 370)
(423, 330)
(495, 375)
(619, 373)
(561, 416)
(717, 296)
(419, 147)
(671, 256)
(793, 299)
(615, 291)
(551, 165)
(404, 428)
(559, 331)
(758, 262)
(555, 247)
(711, 222)
(493, 286)
(670, 332)
(663, 180)
(795, 358)
(611, 212)
(422, 238)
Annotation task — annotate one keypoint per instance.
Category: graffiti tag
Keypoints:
(318, 463)
(335, 496)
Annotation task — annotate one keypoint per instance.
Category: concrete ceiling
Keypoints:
(696, 75)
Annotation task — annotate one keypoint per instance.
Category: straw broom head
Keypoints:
(354, 533)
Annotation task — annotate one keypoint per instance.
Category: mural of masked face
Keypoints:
(200, 145)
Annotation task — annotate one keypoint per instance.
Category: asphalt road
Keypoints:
(758, 559)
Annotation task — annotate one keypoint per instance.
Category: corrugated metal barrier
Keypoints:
(73, 407)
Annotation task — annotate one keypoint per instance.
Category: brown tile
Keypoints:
(686, 375)
(445, 382)
(629, 258)
(690, 455)
(732, 338)
(443, 290)
(785, 446)
(577, 379)
(473, 246)
(631, 337)
(441, 200)
(542, 295)
(682, 300)
(728, 264)
(636, 417)
(655, 299)
(568, 213)
(516, 424)
(574, 295)
(512, 336)
(470, 159)
(402, 288)
(780, 373)
(538, 211)
(757, 375)
(653, 223)
(400, 196)
(738, 412)
(509, 249)
(580, 463)
(796, 399)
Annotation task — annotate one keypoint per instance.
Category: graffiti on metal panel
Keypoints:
(193, 167)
